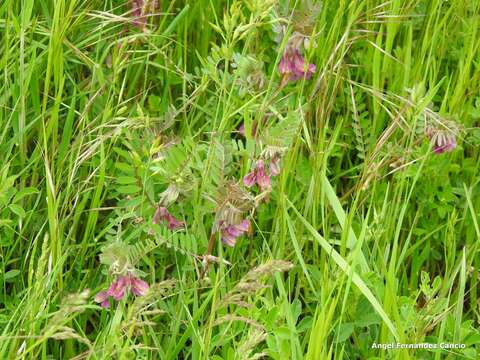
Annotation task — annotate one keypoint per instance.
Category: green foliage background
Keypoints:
(98, 118)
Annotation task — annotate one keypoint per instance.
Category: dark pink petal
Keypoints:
(311, 69)
(300, 70)
(159, 215)
(298, 64)
(233, 231)
(139, 287)
(137, 9)
(162, 214)
(244, 225)
(173, 223)
(438, 149)
(117, 288)
(293, 64)
(275, 166)
(250, 179)
(444, 148)
(229, 240)
(263, 180)
(283, 66)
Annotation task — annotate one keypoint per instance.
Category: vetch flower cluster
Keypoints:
(233, 203)
(260, 176)
(140, 9)
(230, 233)
(163, 215)
(120, 287)
(443, 142)
(294, 67)
(442, 139)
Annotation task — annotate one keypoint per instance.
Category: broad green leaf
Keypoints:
(129, 189)
(125, 180)
(344, 331)
(25, 192)
(11, 274)
(17, 210)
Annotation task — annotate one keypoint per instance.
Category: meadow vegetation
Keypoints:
(239, 179)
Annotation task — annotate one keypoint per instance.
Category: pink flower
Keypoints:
(444, 143)
(250, 179)
(102, 298)
(442, 140)
(140, 10)
(263, 180)
(293, 65)
(139, 287)
(137, 9)
(275, 166)
(259, 176)
(230, 233)
(162, 214)
(117, 288)
(137, 6)
(120, 287)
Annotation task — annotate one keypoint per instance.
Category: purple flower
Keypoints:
(162, 214)
(293, 65)
(230, 233)
(120, 287)
(258, 176)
